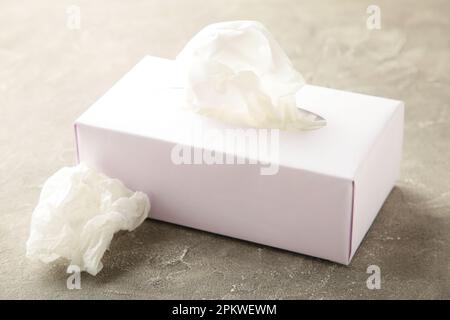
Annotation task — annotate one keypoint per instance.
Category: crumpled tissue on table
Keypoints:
(79, 211)
(236, 72)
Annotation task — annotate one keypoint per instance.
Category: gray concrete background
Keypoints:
(50, 74)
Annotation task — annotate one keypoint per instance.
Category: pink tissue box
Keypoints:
(327, 190)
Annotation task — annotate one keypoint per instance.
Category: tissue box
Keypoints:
(318, 196)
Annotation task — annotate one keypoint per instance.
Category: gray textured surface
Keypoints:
(50, 74)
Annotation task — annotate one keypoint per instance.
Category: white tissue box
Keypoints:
(329, 186)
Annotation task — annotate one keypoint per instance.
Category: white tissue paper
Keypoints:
(79, 211)
(237, 73)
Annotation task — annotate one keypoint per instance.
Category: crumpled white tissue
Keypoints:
(79, 211)
(236, 72)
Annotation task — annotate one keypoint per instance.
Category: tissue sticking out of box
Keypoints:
(79, 211)
(237, 73)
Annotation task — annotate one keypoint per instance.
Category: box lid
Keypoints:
(146, 102)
